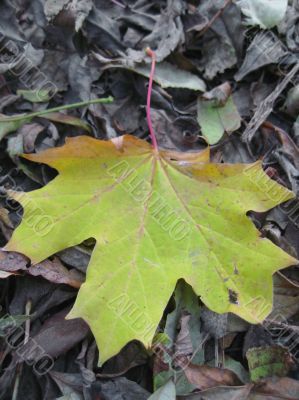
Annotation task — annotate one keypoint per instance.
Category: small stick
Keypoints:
(151, 54)
(118, 3)
(26, 338)
(266, 106)
(56, 109)
(217, 15)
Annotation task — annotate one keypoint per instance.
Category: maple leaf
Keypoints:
(156, 217)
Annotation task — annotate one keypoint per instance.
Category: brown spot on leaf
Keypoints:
(233, 296)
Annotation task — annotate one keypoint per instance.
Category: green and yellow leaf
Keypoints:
(156, 218)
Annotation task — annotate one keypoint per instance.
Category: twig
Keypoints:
(265, 108)
(118, 3)
(216, 16)
(150, 53)
(26, 338)
(293, 328)
(56, 109)
(288, 280)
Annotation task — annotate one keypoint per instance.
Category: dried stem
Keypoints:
(19, 369)
(217, 15)
(150, 53)
(55, 109)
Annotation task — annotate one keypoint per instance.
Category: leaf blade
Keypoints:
(155, 220)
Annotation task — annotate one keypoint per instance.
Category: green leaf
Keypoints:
(166, 392)
(35, 96)
(10, 124)
(264, 13)
(185, 301)
(291, 105)
(9, 323)
(70, 396)
(156, 217)
(68, 383)
(234, 366)
(269, 361)
(68, 120)
(169, 76)
(166, 75)
(214, 120)
(168, 344)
